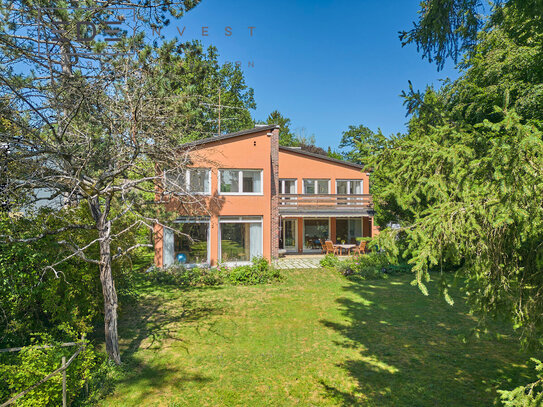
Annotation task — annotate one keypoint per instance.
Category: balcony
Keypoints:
(325, 205)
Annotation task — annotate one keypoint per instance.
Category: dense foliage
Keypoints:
(359, 144)
(204, 89)
(373, 265)
(32, 363)
(259, 272)
(466, 182)
(34, 300)
(447, 29)
(286, 136)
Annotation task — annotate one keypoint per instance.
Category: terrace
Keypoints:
(326, 204)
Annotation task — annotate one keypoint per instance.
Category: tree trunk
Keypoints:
(110, 295)
(108, 286)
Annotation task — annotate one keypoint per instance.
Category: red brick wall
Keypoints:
(274, 155)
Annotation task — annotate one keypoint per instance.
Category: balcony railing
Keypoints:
(325, 202)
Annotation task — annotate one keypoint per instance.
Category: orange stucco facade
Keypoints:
(257, 149)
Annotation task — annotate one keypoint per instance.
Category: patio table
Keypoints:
(347, 247)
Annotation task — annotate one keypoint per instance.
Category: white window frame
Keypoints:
(187, 181)
(282, 185)
(315, 185)
(361, 181)
(240, 181)
(239, 219)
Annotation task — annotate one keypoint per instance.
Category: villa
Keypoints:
(257, 198)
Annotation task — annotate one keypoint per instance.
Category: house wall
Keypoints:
(299, 166)
(293, 165)
(258, 150)
(251, 151)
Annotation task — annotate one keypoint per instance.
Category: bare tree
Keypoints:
(88, 129)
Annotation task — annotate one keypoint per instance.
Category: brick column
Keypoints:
(333, 229)
(158, 241)
(274, 227)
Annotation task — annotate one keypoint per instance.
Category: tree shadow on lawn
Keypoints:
(150, 326)
(416, 350)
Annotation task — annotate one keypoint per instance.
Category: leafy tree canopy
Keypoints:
(359, 143)
(465, 182)
(286, 137)
(448, 28)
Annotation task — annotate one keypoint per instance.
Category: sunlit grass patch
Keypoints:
(314, 339)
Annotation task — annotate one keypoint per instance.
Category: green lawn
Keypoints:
(315, 339)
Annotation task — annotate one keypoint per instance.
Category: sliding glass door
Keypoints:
(240, 238)
(315, 230)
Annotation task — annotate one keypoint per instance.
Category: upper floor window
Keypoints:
(316, 186)
(349, 187)
(190, 180)
(240, 181)
(288, 186)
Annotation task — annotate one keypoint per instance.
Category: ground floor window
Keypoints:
(347, 230)
(315, 230)
(187, 242)
(241, 238)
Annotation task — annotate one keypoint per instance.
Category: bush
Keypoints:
(329, 261)
(373, 265)
(181, 276)
(20, 370)
(257, 273)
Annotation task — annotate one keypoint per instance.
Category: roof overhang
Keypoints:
(324, 214)
(214, 139)
(320, 157)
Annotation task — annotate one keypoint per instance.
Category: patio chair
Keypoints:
(323, 246)
(330, 247)
(360, 249)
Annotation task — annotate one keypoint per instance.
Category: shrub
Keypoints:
(259, 272)
(329, 261)
(373, 265)
(20, 370)
(181, 276)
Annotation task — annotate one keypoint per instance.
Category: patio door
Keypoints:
(290, 234)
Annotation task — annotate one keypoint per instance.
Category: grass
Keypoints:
(316, 339)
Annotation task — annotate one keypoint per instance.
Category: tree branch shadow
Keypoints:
(408, 349)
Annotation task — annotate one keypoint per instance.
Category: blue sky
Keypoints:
(324, 64)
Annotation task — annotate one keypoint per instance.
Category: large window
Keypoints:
(187, 242)
(316, 186)
(349, 187)
(315, 230)
(190, 180)
(241, 238)
(240, 181)
(347, 230)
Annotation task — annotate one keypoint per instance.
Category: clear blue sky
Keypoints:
(324, 64)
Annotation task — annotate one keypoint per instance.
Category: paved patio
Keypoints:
(296, 261)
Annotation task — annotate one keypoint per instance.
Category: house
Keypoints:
(257, 198)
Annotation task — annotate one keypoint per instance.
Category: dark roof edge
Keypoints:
(231, 135)
(322, 157)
